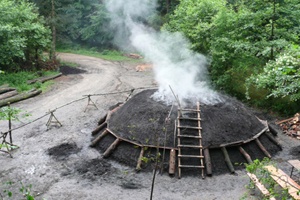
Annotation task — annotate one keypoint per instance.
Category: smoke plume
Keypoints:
(175, 65)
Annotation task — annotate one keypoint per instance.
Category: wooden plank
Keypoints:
(284, 181)
(260, 186)
(295, 163)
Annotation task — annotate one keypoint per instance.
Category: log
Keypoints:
(8, 94)
(99, 128)
(207, 162)
(273, 139)
(20, 97)
(273, 130)
(97, 139)
(111, 148)
(139, 163)
(102, 119)
(227, 160)
(246, 155)
(172, 162)
(44, 79)
(259, 144)
(6, 89)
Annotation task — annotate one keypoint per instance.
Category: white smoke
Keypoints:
(175, 65)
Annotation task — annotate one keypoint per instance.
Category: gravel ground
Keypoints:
(60, 164)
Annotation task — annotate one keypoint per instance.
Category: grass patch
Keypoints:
(111, 55)
(70, 64)
(19, 80)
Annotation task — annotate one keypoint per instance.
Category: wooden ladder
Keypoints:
(189, 140)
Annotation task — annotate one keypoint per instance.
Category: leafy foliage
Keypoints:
(24, 191)
(23, 36)
(281, 76)
(258, 169)
(78, 22)
(240, 37)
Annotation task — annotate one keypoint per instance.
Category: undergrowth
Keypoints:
(19, 80)
(111, 55)
(258, 169)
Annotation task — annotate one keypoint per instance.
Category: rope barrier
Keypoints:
(74, 101)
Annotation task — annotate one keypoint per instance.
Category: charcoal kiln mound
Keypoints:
(215, 137)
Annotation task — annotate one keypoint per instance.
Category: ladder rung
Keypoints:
(192, 110)
(189, 118)
(190, 156)
(190, 127)
(190, 146)
(190, 136)
(191, 166)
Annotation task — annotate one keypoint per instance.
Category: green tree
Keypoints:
(23, 37)
(281, 76)
(77, 22)
(239, 36)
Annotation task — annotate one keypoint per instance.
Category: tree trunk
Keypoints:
(168, 6)
(8, 94)
(272, 29)
(6, 89)
(19, 97)
(53, 29)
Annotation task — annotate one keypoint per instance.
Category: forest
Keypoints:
(253, 46)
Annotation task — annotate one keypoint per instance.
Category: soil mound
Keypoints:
(94, 168)
(143, 123)
(63, 151)
(142, 119)
(65, 70)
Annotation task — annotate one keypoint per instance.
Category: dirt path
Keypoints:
(60, 164)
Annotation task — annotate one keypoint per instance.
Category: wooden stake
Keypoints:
(272, 130)
(273, 139)
(102, 119)
(99, 128)
(97, 139)
(227, 159)
(245, 154)
(139, 163)
(9, 123)
(172, 162)
(207, 162)
(259, 144)
(111, 148)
